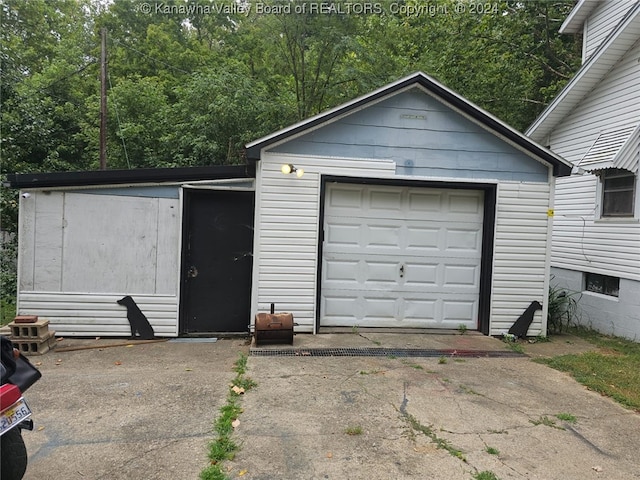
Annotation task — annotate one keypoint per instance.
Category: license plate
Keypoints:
(13, 415)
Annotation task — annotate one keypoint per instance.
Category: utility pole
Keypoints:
(103, 100)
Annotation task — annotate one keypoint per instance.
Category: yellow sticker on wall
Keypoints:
(550, 212)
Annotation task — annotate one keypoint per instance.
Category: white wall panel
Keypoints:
(520, 253)
(85, 314)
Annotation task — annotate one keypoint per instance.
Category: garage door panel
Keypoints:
(461, 276)
(423, 240)
(386, 200)
(340, 270)
(401, 256)
(425, 201)
(383, 236)
(456, 312)
(339, 235)
(425, 275)
(380, 273)
(464, 239)
(422, 310)
(460, 202)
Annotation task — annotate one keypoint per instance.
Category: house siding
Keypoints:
(80, 249)
(584, 244)
(582, 241)
(424, 137)
(89, 314)
(522, 234)
(612, 104)
(601, 22)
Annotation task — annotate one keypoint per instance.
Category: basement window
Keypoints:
(602, 284)
(618, 192)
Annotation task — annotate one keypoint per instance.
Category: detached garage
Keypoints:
(408, 208)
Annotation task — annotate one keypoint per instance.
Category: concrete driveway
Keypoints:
(139, 412)
(146, 411)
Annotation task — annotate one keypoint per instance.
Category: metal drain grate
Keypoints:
(377, 352)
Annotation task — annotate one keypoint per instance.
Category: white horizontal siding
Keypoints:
(612, 104)
(84, 314)
(602, 22)
(582, 244)
(520, 255)
(287, 218)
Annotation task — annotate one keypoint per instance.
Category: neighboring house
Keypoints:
(416, 210)
(595, 124)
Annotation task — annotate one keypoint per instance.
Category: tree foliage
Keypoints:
(191, 80)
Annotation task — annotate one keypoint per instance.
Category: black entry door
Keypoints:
(216, 261)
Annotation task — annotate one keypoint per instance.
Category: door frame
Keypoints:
(488, 232)
(237, 185)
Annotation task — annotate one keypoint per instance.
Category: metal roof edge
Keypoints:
(560, 166)
(593, 61)
(133, 176)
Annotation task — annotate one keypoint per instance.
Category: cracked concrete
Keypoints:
(294, 427)
(140, 412)
(146, 412)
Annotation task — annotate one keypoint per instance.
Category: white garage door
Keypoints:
(401, 257)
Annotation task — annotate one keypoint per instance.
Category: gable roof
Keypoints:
(434, 88)
(610, 51)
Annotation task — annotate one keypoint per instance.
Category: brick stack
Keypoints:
(30, 335)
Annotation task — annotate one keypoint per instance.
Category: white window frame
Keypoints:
(634, 216)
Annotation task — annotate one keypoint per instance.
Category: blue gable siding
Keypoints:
(424, 137)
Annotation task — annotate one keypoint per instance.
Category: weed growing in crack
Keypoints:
(468, 390)
(223, 446)
(412, 365)
(486, 475)
(566, 417)
(428, 431)
(442, 360)
(493, 451)
(546, 421)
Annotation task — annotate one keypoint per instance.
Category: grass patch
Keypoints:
(442, 360)
(486, 475)
(223, 447)
(493, 451)
(566, 417)
(357, 430)
(613, 370)
(7, 311)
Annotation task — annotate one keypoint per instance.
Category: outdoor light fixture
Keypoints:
(287, 168)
